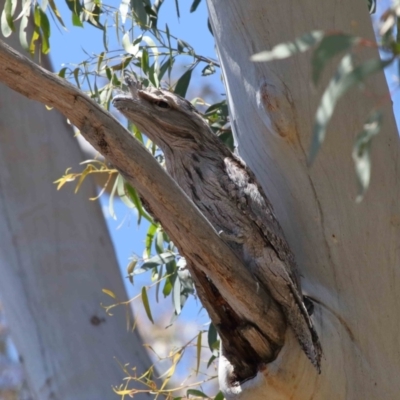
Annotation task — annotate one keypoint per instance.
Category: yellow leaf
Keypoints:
(109, 292)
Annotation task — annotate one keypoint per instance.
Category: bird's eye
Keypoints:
(161, 104)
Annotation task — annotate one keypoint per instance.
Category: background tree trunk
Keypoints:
(348, 253)
(55, 258)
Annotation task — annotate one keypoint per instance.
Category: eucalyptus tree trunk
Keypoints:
(348, 253)
(56, 256)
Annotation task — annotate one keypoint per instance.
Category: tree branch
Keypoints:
(256, 316)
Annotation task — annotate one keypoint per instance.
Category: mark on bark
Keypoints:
(277, 105)
(95, 320)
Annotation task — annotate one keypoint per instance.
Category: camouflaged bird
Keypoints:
(227, 193)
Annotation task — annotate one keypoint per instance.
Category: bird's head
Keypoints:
(166, 118)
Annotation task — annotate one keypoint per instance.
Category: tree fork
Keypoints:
(197, 239)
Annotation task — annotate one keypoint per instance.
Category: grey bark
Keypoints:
(348, 253)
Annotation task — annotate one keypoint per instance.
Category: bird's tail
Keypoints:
(303, 328)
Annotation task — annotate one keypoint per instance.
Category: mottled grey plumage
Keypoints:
(227, 193)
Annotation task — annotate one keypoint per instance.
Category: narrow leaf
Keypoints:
(23, 39)
(159, 259)
(219, 396)
(194, 5)
(140, 12)
(56, 12)
(109, 292)
(212, 337)
(149, 239)
(176, 298)
(183, 83)
(159, 241)
(9, 9)
(178, 14)
(129, 269)
(146, 304)
(285, 50)
(198, 348)
(362, 152)
(45, 27)
(194, 392)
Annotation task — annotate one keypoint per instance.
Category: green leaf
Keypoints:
(55, 11)
(138, 204)
(139, 12)
(105, 37)
(100, 60)
(45, 27)
(183, 83)
(288, 49)
(198, 351)
(194, 392)
(362, 152)
(159, 241)
(7, 22)
(145, 61)
(194, 5)
(178, 14)
(146, 304)
(125, 198)
(346, 76)
(76, 21)
(219, 396)
(212, 337)
(61, 73)
(208, 70)
(76, 8)
(166, 65)
(210, 361)
(149, 239)
(23, 39)
(129, 269)
(159, 259)
(329, 47)
(167, 287)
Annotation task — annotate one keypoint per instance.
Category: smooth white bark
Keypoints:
(348, 253)
(56, 256)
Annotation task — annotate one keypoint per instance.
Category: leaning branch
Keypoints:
(194, 235)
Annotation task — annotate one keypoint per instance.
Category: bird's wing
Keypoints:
(252, 199)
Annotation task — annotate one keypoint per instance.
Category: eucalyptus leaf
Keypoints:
(194, 392)
(194, 5)
(146, 304)
(176, 298)
(212, 337)
(159, 259)
(182, 85)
